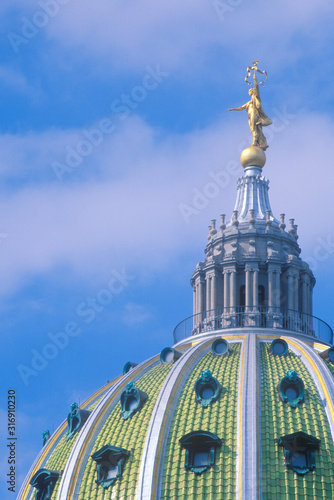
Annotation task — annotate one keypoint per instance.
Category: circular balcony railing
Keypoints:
(246, 317)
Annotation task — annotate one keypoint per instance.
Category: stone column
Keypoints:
(248, 289)
(193, 284)
(310, 306)
(305, 293)
(233, 294)
(208, 292)
(214, 291)
(295, 291)
(290, 290)
(226, 290)
(255, 288)
(278, 289)
(274, 286)
(201, 294)
(271, 287)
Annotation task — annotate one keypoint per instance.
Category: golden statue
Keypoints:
(256, 116)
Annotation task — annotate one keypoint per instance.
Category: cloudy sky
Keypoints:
(113, 124)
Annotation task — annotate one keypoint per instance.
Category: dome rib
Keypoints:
(247, 472)
(161, 418)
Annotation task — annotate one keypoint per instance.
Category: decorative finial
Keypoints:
(268, 219)
(256, 116)
(209, 235)
(222, 222)
(282, 226)
(213, 230)
(291, 228)
(235, 221)
(251, 218)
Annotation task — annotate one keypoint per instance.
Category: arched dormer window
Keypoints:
(46, 436)
(75, 420)
(128, 366)
(207, 389)
(44, 481)
(291, 389)
(132, 400)
(200, 450)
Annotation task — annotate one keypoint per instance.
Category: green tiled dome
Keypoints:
(156, 462)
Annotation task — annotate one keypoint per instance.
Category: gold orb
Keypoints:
(253, 156)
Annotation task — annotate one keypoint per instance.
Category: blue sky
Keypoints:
(113, 118)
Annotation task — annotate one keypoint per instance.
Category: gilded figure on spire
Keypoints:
(256, 116)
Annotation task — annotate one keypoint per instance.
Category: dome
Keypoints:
(247, 418)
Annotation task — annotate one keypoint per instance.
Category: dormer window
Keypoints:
(328, 355)
(200, 450)
(279, 347)
(169, 355)
(44, 481)
(331, 355)
(75, 420)
(291, 389)
(207, 389)
(110, 462)
(132, 400)
(46, 437)
(220, 347)
(299, 451)
(128, 366)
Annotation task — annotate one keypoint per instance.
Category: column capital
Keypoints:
(212, 273)
(251, 266)
(229, 270)
(274, 267)
(305, 278)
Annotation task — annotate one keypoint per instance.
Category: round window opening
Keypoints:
(207, 393)
(279, 347)
(169, 356)
(220, 347)
(291, 393)
(131, 403)
(331, 355)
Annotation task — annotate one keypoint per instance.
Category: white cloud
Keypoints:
(178, 34)
(126, 212)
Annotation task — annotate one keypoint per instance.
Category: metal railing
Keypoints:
(246, 317)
